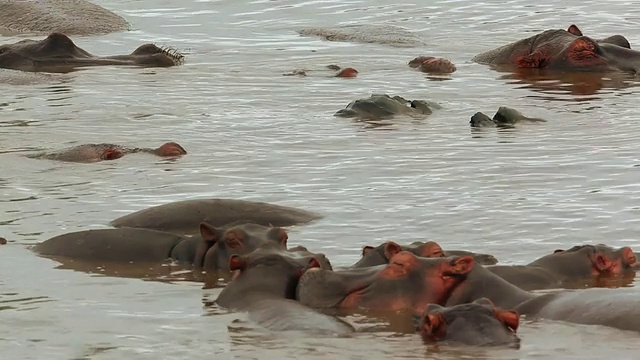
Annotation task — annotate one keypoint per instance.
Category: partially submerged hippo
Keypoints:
(564, 50)
(71, 17)
(264, 285)
(379, 34)
(505, 117)
(382, 106)
(184, 217)
(98, 152)
(578, 266)
(478, 323)
(433, 65)
(3, 241)
(372, 256)
(338, 72)
(58, 53)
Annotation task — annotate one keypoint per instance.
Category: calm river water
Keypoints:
(253, 134)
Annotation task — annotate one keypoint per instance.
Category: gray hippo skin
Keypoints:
(565, 51)
(88, 153)
(264, 285)
(373, 256)
(382, 106)
(505, 117)
(478, 323)
(71, 17)
(376, 34)
(58, 53)
(184, 217)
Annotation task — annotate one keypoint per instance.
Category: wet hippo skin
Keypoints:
(184, 217)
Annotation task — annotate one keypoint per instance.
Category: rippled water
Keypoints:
(253, 134)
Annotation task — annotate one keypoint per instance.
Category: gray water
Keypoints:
(253, 134)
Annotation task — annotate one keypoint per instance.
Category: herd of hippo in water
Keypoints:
(443, 294)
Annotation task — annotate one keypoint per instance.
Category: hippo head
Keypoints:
(219, 244)
(58, 53)
(593, 260)
(381, 254)
(479, 324)
(268, 271)
(170, 149)
(408, 282)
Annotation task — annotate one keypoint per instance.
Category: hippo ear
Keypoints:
(367, 249)
(509, 318)
(209, 233)
(283, 237)
(430, 249)
(390, 249)
(601, 262)
(433, 326)
(573, 29)
(628, 256)
(313, 264)
(461, 265)
(557, 251)
(237, 262)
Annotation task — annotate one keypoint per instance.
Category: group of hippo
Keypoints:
(443, 294)
(451, 295)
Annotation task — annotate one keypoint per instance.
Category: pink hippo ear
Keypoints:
(283, 237)
(573, 29)
(629, 257)
(434, 326)
(237, 262)
(391, 249)
(460, 265)
(367, 249)
(601, 262)
(509, 318)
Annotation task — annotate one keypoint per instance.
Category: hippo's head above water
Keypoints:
(479, 323)
(58, 53)
(566, 50)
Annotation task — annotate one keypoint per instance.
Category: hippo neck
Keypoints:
(258, 283)
(564, 267)
(482, 283)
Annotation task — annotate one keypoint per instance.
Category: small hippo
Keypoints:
(383, 106)
(505, 117)
(87, 153)
(339, 72)
(3, 241)
(433, 65)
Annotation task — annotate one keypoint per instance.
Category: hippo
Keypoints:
(87, 153)
(372, 256)
(505, 117)
(264, 285)
(71, 17)
(3, 241)
(184, 217)
(58, 53)
(577, 266)
(565, 50)
(339, 72)
(209, 252)
(478, 323)
(433, 65)
(368, 34)
(407, 283)
(383, 106)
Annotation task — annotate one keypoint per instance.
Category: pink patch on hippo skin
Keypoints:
(582, 51)
(112, 154)
(535, 60)
(438, 66)
(347, 73)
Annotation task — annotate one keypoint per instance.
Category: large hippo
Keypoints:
(184, 217)
(58, 53)
(210, 251)
(478, 323)
(264, 285)
(383, 106)
(578, 266)
(98, 152)
(505, 117)
(565, 50)
(71, 17)
(372, 256)
(367, 33)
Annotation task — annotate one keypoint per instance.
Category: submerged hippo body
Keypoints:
(565, 50)
(505, 117)
(478, 323)
(71, 17)
(184, 217)
(433, 65)
(378, 34)
(58, 53)
(264, 285)
(339, 72)
(383, 107)
(578, 266)
(99, 152)
(379, 255)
